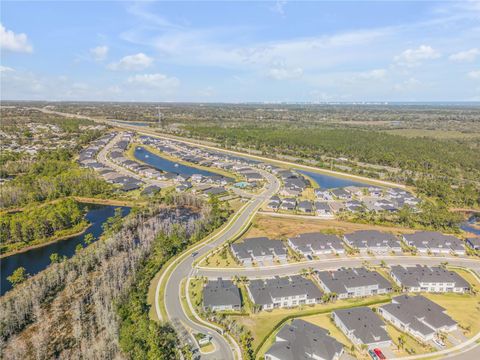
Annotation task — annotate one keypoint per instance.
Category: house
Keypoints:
(253, 176)
(323, 194)
(434, 242)
(310, 244)
(305, 206)
(354, 190)
(288, 204)
(418, 316)
(341, 194)
(354, 206)
(215, 191)
(183, 186)
(259, 250)
(303, 340)
(280, 292)
(362, 326)
(428, 279)
(221, 295)
(375, 191)
(473, 243)
(274, 203)
(373, 240)
(196, 178)
(322, 208)
(348, 283)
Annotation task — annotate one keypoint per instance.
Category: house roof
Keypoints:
(341, 280)
(221, 292)
(420, 313)
(256, 247)
(264, 290)
(372, 238)
(303, 340)
(317, 241)
(365, 324)
(414, 275)
(433, 239)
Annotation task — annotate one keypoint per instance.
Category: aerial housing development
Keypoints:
(240, 180)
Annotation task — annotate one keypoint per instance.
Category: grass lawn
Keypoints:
(282, 228)
(263, 322)
(207, 348)
(413, 345)
(465, 309)
(222, 258)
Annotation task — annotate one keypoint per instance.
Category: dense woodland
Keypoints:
(39, 223)
(94, 304)
(50, 175)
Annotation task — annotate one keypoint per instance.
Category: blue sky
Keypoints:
(241, 51)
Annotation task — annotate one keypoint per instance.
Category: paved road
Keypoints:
(333, 263)
(184, 268)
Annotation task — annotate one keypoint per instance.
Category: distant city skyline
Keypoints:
(275, 51)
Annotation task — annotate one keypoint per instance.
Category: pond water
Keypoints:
(163, 164)
(468, 226)
(330, 182)
(37, 259)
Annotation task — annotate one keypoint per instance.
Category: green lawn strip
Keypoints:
(328, 308)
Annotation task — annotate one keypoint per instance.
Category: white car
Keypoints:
(439, 342)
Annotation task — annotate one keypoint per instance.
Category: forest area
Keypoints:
(94, 305)
(37, 224)
(447, 170)
(48, 176)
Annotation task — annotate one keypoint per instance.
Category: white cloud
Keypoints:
(159, 81)
(414, 57)
(408, 85)
(5, 69)
(138, 61)
(467, 55)
(474, 74)
(14, 42)
(279, 7)
(375, 74)
(99, 53)
(283, 73)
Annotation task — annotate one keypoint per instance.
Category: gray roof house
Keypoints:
(221, 295)
(417, 315)
(362, 326)
(322, 208)
(305, 206)
(315, 243)
(282, 292)
(259, 250)
(358, 282)
(373, 240)
(429, 279)
(434, 242)
(303, 340)
(341, 193)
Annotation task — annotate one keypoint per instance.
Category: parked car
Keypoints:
(439, 342)
(379, 353)
(373, 355)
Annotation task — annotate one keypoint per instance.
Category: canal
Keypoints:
(163, 164)
(37, 259)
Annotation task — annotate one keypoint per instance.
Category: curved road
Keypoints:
(184, 268)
